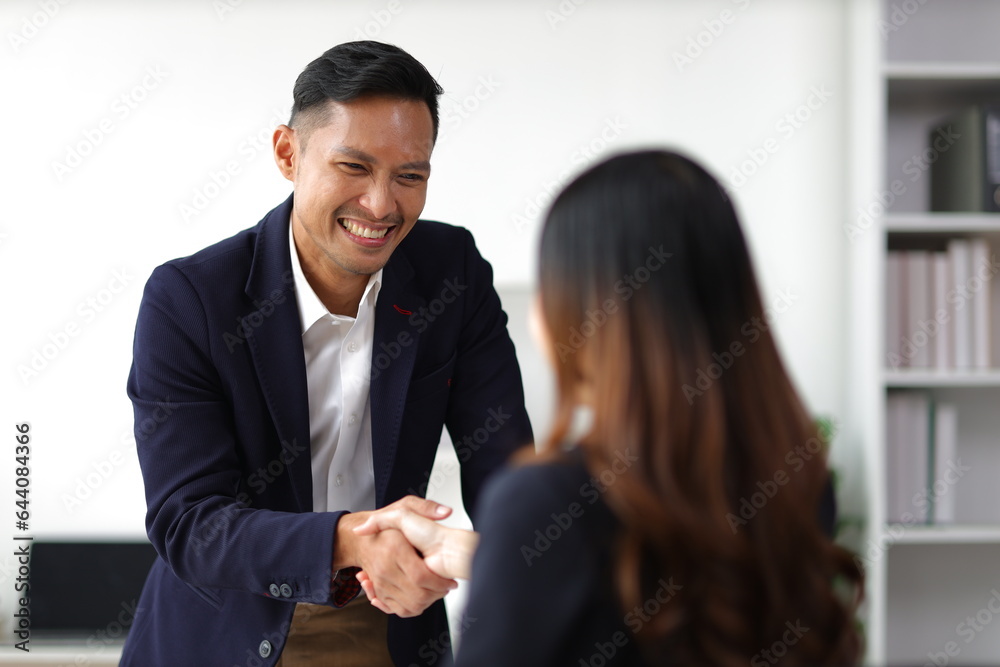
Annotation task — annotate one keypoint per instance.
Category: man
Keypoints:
(299, 375)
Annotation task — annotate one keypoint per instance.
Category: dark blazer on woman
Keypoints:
(541, 587)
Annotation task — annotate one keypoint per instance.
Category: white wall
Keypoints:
(555, 87)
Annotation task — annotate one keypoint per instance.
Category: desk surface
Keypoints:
(68, 655)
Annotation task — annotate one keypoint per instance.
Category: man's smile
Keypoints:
(366, 233)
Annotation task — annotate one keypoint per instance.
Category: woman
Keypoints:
(632, 543)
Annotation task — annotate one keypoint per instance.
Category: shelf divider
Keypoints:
(930, 378)
(945, 534)
(945, 223)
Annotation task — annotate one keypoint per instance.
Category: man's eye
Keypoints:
(412, 177)
(353, 165)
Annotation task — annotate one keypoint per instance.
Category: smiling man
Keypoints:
(310, 364)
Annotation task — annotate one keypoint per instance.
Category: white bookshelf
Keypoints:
(954, 223)
(948, 535)
(912, 378)
(940, 72)
(923, 581)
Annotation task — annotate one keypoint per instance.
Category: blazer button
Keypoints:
(265, 649)
(274, 590)
(286, 591)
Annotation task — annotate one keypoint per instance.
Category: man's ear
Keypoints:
(286, 150)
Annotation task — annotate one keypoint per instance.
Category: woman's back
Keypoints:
(645, 282)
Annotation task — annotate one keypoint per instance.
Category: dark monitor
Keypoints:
(84, 590)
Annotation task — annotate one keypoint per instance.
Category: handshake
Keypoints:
(409, 539)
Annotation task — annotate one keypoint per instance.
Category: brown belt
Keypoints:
(352, 636)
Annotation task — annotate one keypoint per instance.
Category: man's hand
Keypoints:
(396, 574)
(447, 551)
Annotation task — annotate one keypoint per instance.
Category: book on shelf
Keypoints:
(979, 256)
(965, 176)
(907, 461)
(921, 445)
(939, 308)
(959, 256)
(945, 452)
(918, 308)
(944, 336)
(918, 322)
(895, 282)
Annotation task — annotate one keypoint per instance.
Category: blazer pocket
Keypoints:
(429, 384)
(208, 595)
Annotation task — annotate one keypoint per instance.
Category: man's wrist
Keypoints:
(344, 543)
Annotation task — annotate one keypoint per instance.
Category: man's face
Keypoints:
(360, 182)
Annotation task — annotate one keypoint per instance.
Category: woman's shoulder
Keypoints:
(560, 488)
(555, 477)
(542, 572)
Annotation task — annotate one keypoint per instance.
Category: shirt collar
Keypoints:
(311, 309)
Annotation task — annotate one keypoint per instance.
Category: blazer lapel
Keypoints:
(276, 348)
(393, 353)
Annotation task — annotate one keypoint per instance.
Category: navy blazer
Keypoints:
(218, 386)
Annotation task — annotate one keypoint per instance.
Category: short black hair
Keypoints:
(358, 69)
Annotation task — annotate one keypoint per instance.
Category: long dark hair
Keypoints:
(650, 300)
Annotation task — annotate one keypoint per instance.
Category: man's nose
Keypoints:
(378, 200)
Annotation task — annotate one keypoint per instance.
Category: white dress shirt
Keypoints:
(338, 352)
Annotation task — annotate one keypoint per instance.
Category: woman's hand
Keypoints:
(447, 551)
